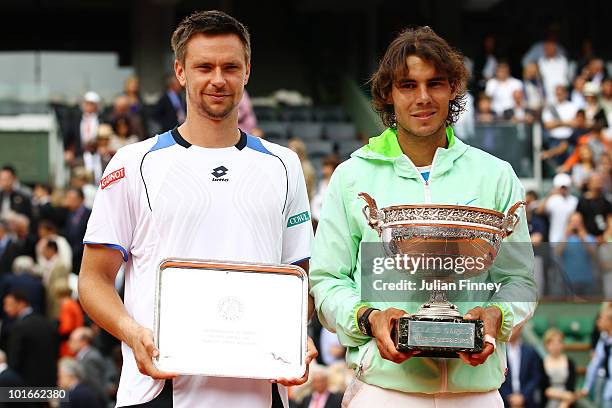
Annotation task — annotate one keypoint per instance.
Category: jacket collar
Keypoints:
(386, 148)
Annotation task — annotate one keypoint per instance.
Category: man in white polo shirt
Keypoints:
(560, 120)
(203, 190)
(501, 88)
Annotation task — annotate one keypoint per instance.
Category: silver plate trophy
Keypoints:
(437, 329)
(231, 319)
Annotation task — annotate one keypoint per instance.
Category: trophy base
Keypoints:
(438, 336)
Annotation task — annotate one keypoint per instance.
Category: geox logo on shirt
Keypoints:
(298, 219)
(218, 173)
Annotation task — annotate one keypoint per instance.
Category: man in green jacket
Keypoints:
(418, 90)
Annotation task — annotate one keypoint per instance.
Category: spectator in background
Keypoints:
(76, 224)
(522, 388)
(80, 343)
(594, 138)
(11, 198)
(536, 51)
(47, 231)
(20, 226)
(577, 94)
(299, 147)
(83, 179)
(559, 120)
(594, 112)
(604, 167)
(567, 147)
(501, 88)
(533, 87)
(601, 359)
(84, 128)
(578, 251)
(70, 377)
(32, 344)
(70, 315)
(486, 62)
(582, 170)
(331, 349)
(329, 165)
(519, 113)
(560, 372)
(558, 206)
(26, 279)
(97, 154)
(605, 99)
(594, 207)
(123, 134)
(53, 273)
(538, 225)
(10, 248)
(8, 376)
(596, 71)
(43, 208)
(122, 108)
(131, 89)
(605, 259)
(484, 111)
(321, 397)
(170, 110)
(247, 121)
(554, 70)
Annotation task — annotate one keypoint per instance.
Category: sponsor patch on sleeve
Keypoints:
(112, 177)
(298, 219)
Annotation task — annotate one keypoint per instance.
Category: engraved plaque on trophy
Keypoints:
(438, 329)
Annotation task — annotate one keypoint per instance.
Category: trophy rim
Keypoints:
(445, 206)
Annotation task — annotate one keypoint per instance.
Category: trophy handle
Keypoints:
(371, 213)
(512, 218)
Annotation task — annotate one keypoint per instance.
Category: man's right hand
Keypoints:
(140, 340)
(382, 322)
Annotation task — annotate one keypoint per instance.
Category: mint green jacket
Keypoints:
(460, 174)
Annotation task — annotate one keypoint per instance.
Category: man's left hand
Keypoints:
(492, 318)
(310, 355)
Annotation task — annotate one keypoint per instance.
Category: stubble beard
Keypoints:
(207, 111)
(411, 134)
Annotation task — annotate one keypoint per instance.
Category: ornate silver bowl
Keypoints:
(435, 230)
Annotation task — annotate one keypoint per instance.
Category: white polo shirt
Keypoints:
(166, 198)
(501, 93)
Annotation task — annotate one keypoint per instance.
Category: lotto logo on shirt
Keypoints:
(111, 178)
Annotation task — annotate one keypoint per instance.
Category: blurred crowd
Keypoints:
(45, 338)
(550, 379)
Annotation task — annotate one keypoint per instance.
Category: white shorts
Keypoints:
(363, 395)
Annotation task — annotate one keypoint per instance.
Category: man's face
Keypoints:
(74, 343)
(90, 107)
(420, 99)
(6, 180)
(319, 382)
(550, 49)
(72, 201)
(214, 74)
(502, 72)
(561, 93)
(12, 307)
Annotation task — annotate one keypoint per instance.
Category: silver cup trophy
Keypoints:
(438, 329)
